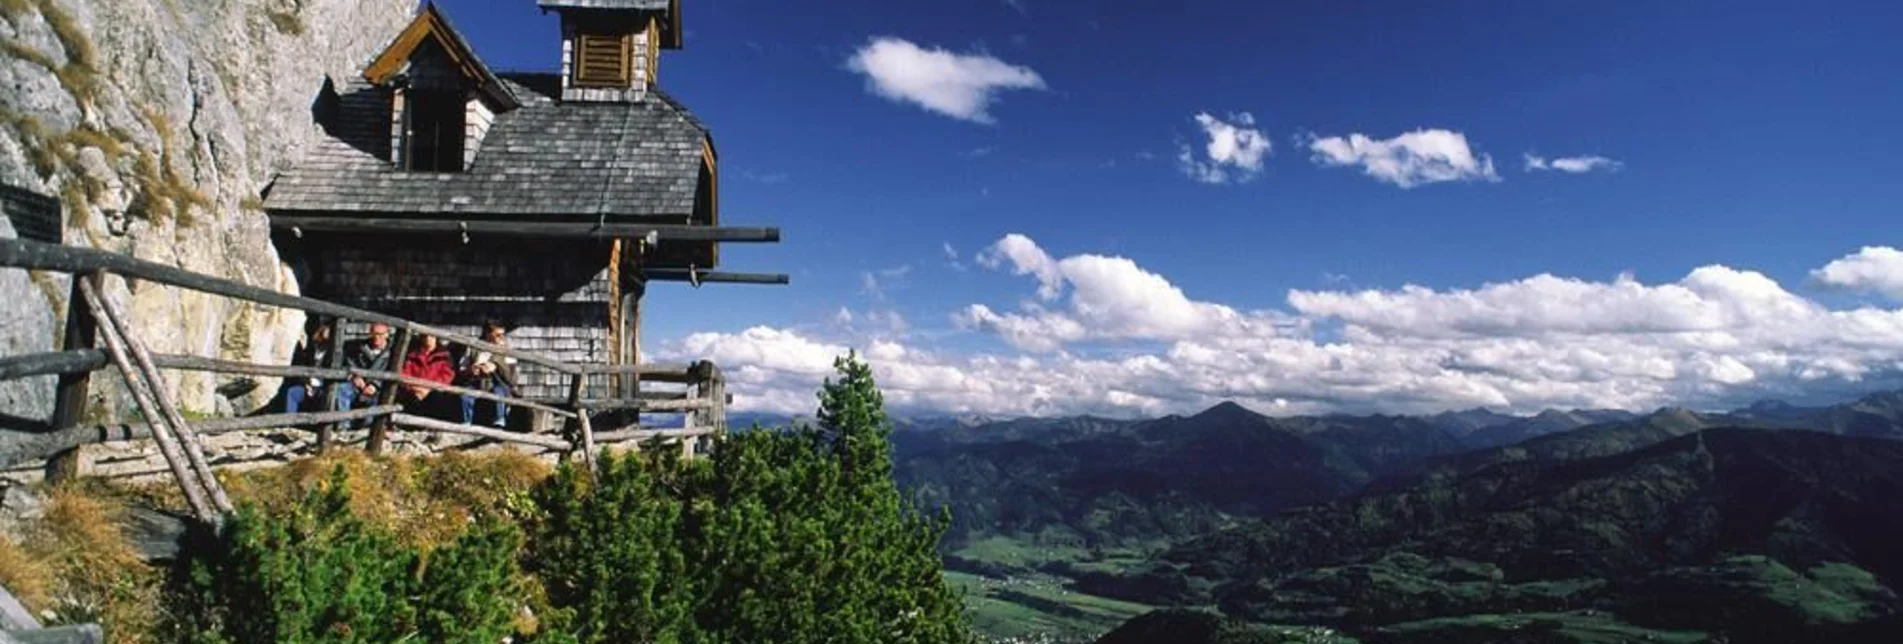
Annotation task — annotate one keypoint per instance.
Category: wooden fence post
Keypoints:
(69, 402)
(334, 360)
(379, 431)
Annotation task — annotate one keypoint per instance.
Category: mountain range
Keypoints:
(1444, 527)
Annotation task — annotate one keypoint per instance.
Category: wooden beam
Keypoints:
(674, 373)
(530, 228)
(418, 422)
(71, 361)
(47, 362)
(644, 404)
(20, 253)
(715, 277)
(645, 433)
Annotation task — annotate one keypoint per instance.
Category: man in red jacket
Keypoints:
(427, 360)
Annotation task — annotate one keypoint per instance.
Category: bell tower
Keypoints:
(611, 49)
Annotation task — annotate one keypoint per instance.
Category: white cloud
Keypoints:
(961, 86)
(1572, 165)
(876, 284)
(952, 260)
(1109, 298)
(1716, 337)
(1234, 151)
(1874, 269)
(1412, 159)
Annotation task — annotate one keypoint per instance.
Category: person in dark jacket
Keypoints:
(312, 351)
(490, 372)
(371, 353)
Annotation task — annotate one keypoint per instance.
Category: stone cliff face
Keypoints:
(157, 123)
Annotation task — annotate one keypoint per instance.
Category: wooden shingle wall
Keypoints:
(551, 296)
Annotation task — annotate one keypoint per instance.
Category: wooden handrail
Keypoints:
(705, 400)
(32, 255)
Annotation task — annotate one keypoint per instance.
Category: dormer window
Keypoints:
(442, 99)
(436, 129)
(603, 60)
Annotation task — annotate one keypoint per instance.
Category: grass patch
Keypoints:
(75, 564)
(1026, 608)
(425, 501)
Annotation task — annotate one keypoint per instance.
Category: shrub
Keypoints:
(794, 535)
(317, 572)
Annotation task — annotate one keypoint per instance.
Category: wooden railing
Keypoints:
(701, 405)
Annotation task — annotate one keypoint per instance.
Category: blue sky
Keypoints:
(1340, 263)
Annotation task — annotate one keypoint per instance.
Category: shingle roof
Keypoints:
(604, 4)
(545, 158)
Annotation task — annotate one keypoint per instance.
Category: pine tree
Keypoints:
(795, 535)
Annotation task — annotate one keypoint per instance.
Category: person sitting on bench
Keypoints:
(370, 354)
(427, 360)
(489, 372)
(313, 351)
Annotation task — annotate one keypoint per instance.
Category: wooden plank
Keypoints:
(418, 422)
(168, 445)
(645, 433)
(716, 277)
(675, 405)
(531, 228)
(162, 391)
(19, 253)
(675, 373)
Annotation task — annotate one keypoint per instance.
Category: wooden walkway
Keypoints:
(98, 337)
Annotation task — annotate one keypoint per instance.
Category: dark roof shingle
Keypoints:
(543, 158)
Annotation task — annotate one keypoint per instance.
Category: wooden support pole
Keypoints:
(168, 444)
(334, 359)
(162, 391)
(579, 425)
(616, 338)
(551, 442)
(380, 430)
(69, 399)
(715, 277)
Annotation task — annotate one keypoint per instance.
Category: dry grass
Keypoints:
(77, 565)
(425, 501)
(27, 577)
(77, 562)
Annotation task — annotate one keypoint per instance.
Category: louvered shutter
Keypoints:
(601, 60)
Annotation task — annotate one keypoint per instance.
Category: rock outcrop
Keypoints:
(157, 123)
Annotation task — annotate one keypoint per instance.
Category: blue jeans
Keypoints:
(502, 409)
(343, 397)
(295, 394)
